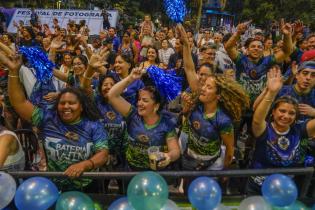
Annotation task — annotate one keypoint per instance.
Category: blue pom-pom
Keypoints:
(175, 10)
(39, 61)
(167, 82)
(309, 161)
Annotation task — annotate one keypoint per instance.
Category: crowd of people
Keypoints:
(102, 112)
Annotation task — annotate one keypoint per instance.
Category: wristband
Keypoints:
(93, 165)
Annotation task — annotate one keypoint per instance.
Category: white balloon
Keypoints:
(7, 189)
(170, 205)
(254, 203)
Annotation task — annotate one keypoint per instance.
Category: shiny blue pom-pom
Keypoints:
(167, 82)
(175, 10)
(38, 60)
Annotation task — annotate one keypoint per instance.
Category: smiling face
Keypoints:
(69, 108)
(107, 84)
(121, 66)
(255, 50)
(284, 115)
(146, 105)
(78, 66)
(151, 54)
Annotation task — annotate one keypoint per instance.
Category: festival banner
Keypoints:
(93, 18)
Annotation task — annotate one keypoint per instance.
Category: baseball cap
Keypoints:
(308, 55)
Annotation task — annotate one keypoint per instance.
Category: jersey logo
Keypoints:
(143, 138)
(111, 115)
(253, 73)
(283, 143)
(72, 136)
(196, 125)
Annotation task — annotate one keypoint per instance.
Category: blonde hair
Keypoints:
(233, 97)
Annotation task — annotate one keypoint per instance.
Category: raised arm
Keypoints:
(60, 75)
(287, 49)
(231, 45)
(118, 102)
(16, 93)
(189, 65)
(274, 84)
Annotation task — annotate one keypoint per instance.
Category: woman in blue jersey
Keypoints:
(122, 67)
(280, 140)
(74, 140)
(113, 122)
(219, 102)
(147, 126)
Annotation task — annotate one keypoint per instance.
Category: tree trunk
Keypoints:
(199, 13)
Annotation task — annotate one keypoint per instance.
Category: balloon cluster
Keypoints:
(40, 193)
(148, 190)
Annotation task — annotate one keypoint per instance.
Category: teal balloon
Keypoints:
(74, 200)
(7, 189)
(147, 190)
(295, 206)
(170, 205)
(36, 193)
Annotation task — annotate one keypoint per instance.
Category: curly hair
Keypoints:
(233, 97)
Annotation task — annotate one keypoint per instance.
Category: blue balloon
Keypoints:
(7, 189)
(147, 190)
(279, 190)
(74, 200)
(204, 193)
(36, 193)
(121, 204)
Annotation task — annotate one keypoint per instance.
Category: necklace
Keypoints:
(278, 132)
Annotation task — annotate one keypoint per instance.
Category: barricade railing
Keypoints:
(307, 173)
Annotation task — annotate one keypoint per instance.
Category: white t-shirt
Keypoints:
(16, 161)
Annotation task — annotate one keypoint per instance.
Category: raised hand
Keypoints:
(286, 28)
(297, 27)
(274, 80)
(136, 73)
(242, 27)
(182, 34)
(13, 63)
(56, 43)
(96, 61)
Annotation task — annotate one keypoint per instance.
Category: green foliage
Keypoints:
(263, 12)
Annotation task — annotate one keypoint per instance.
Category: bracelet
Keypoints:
(13, 76)
(93, 165)
(268, 100)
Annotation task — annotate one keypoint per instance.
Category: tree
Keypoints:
(263, 12)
